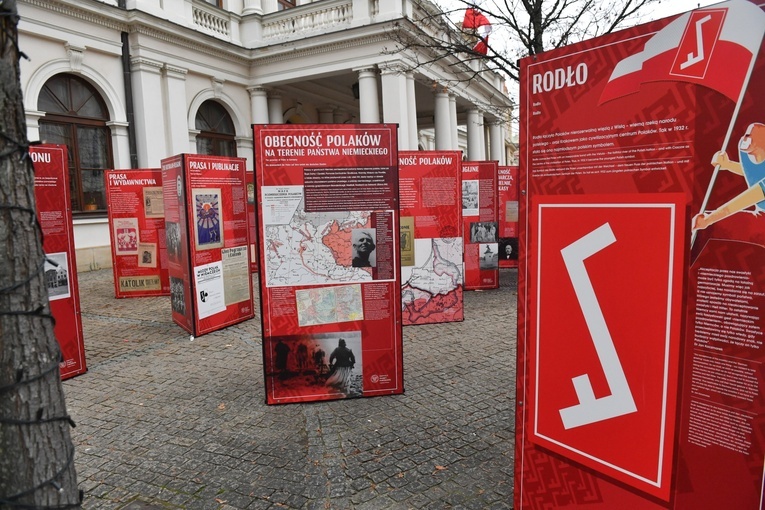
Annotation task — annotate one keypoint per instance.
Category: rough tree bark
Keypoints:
(36, 450)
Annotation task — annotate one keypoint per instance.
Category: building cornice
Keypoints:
(97, 15)
(293, 53)
(139, 22)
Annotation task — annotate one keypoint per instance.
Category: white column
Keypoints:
(430, 142)
(149, 118)
(396, 103)
(497, 142)
(33, 124)
(369, 103)
(252, 7)
(326, 115)
(270, 6)
(275, 111)
(455, 125)
(193, 140)
(474, 135)
(482, 132)
(443, 121)
(258, 105)
(177, 118)
(339, 116)
(411, 103)
(120, 143)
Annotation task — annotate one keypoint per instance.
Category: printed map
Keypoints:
(432, 288)
(309, 248)
(325, 305)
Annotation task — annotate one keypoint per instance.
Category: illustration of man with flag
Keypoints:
(714, 47)
(751, 166)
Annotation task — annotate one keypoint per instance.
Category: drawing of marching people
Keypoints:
(320, 366)
(300, 364)
(282, 353)
(342, 377)
(302, 357)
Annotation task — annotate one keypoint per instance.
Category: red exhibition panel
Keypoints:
(641, 289)
(480, 214)
(607, 356)
(208, 242)
(431, 236)
(54, 212)
(507, 182)
(253, 222)
(137, 228)
(330, 282)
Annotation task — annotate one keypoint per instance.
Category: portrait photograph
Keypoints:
(363, 246)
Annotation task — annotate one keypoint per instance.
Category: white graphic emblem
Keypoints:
(695, 59)
(620, 402)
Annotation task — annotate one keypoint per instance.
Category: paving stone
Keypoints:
(164, 422)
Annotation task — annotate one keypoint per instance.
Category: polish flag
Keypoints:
(475, 20)
(713, 47)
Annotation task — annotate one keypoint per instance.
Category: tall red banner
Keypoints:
(208, 241)
(137, 228)
(480, 214)
(641, 288)
(507, 183)
(330, 282)
(54, 212)
(431, 236)
(253, 221)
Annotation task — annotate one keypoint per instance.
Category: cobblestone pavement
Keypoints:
(168, 422)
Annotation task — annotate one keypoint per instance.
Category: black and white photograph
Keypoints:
(57, 275)
(177, 295)
(364, 246)
(508, 248)
(147, 254)
(322, 362)
(489, 258)
(173, 237)
(153, 202)
(483, 232)
(470, 198)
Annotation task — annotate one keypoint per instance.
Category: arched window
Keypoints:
(217, 134)
(75, 116)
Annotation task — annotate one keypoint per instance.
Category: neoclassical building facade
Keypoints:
(126, 83)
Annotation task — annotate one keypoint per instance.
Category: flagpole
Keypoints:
(726, 141)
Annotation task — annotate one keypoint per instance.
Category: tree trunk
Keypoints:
(36, 450)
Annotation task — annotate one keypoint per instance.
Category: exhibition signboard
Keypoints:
(253, 222)
(137, 229)
(208, 241)
(330, 286)
(431, 236)
(507, 183)
(54, 213)
(641, 288)
(480, 212)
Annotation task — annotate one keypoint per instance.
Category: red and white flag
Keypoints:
(713, 47)
(475, 20)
